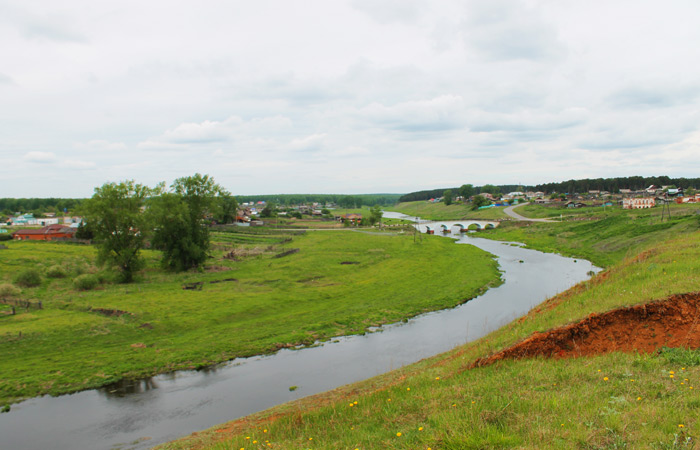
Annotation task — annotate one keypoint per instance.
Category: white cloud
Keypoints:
(453, 91)
(41, 157)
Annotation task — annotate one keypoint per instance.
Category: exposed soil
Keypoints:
(673, 322)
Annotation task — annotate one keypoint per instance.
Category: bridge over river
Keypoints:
(456, 226)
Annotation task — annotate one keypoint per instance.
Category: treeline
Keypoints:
(344, 201)
(436, 193)
(10, 206)
(615, 184)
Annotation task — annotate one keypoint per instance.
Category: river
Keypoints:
(141, 414)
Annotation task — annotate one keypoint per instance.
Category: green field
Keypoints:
(277, 290)
(612, 401)
(455, 211)
(604, 239)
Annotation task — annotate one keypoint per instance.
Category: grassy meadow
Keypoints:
(611, 401)
(604, 238)
(455, 211)
(274, 289)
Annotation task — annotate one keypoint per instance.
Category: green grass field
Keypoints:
(266, 298)
(604, 240)
(612, 401)
(455, 211)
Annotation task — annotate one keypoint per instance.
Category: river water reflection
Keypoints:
(141, 414)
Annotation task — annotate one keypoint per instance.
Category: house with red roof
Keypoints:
(48, 233)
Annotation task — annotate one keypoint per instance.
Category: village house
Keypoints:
(638, 203)
(47, 233)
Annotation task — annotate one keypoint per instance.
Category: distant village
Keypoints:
(625, 198)
(50, 226)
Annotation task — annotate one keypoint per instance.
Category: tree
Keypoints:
(269, 211)
(115, 216)
(181, 231)
(466, 191)
(447, 197)
(375, 215)
(490, 189)
(480, 201)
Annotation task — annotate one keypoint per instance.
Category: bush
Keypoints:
(85, 282)
(28, 278)
(5, 237)
(56, 272)
(8, 290)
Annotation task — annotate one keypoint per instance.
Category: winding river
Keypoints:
(141, 414)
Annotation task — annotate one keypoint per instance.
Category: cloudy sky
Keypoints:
(345, 96)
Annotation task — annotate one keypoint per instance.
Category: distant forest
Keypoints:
(10, 206)
(615, 184)
(345, 201)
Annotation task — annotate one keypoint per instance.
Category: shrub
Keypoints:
(85, 282)
(28, 278)
(8, 290)
(5, 237)
(56, 272)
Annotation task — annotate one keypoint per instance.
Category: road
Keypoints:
(514, 215)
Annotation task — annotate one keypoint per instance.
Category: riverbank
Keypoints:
(612, 400)
(262, 291)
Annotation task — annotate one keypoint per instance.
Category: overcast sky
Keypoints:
(345, 96)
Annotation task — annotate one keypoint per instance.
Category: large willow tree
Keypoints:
(115, 214)
(181, 218)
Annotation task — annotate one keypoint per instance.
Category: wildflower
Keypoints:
(605, 378)
(680, 425)
(388, 400)
(420, 428)
(355, 402)
(670, 376)
(454, 404)
(311, 439)
(351, 405)
(437, 378)
(562, 424)
(672, 372)
(264, 431)
(398, 434)
(408, 389)
(639, 398)
(255, 442)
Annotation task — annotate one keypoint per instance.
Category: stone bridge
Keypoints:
(456, 226)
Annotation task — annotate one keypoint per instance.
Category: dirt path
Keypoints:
(510, 211)
(673, 322)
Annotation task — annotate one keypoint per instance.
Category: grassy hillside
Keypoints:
(276, 290)
(438, 211)
(612, 401)
(603, 240)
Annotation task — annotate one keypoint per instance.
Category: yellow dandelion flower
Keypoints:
(639, 398)
(355, 402)
(264, 431)
(562, 424)
(247, 437)
(388, 400)
(311, 439)
(454, 404)
(680, 425)
(398, 434)
(408, 389)
(255, 442)
(671, 372)
(473, 402)
(437, 378)
(605, 378)
(598, 370)
(670, 376)
(420, 428)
